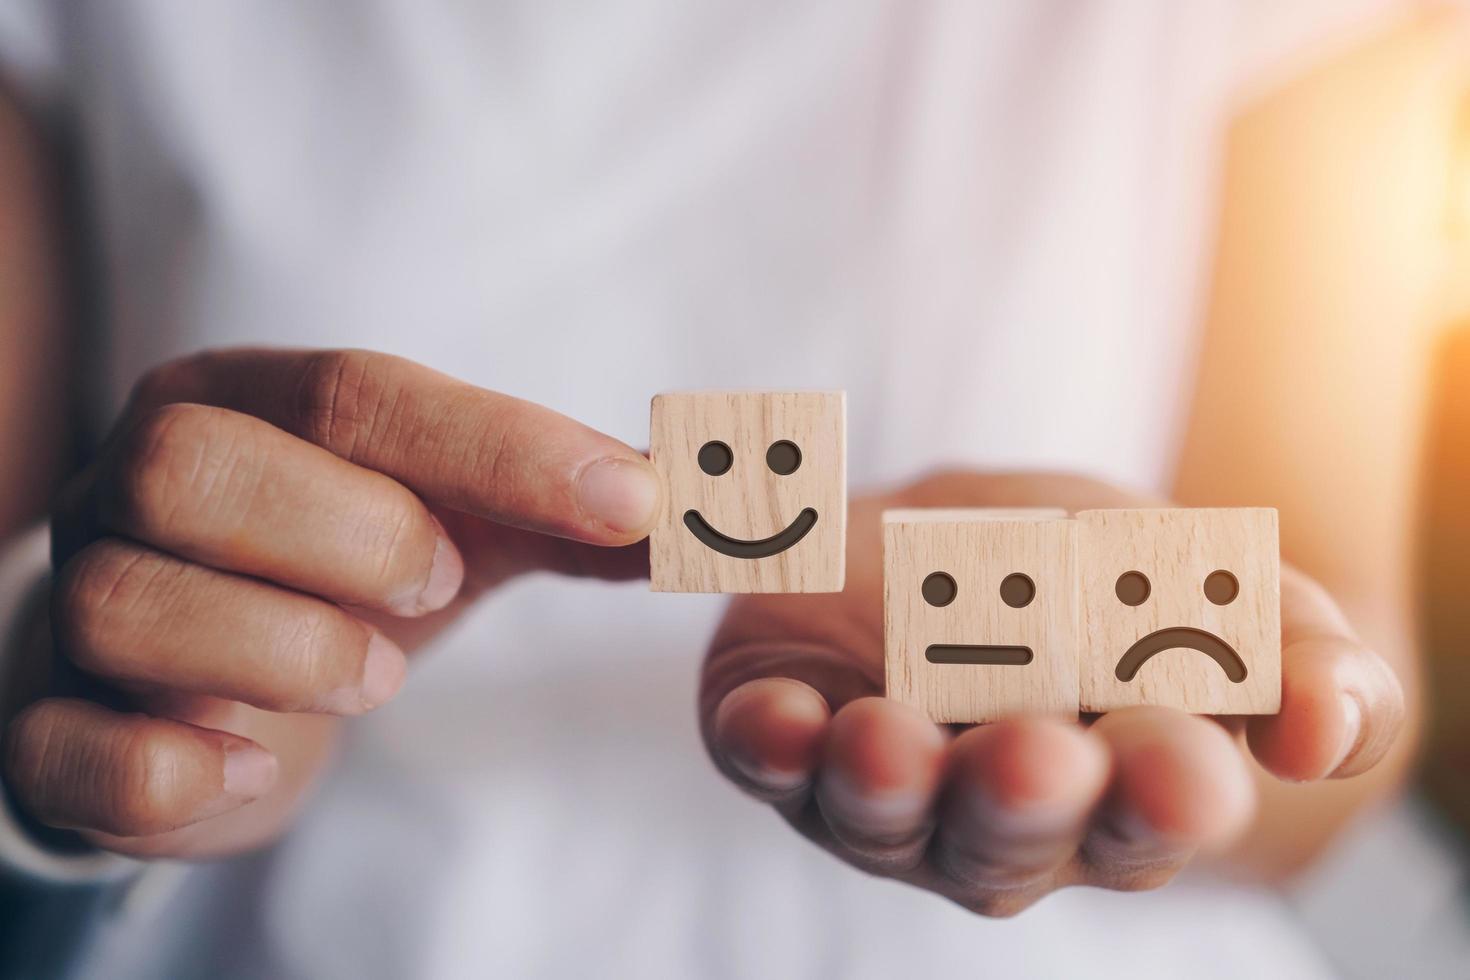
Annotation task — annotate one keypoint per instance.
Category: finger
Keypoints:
(767, 737)
(1179, 785)
(454, 444)
(300, 743)
(880, 773)
(1017, 799)
(229, 491)
(502, 552)
(1342, 706)
(137, 616)
(78, 765)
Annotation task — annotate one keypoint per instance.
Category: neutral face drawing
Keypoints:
(1180, 607)
(980, 612)
(1016, 590)
(756, 491)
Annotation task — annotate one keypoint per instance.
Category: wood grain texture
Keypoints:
(750, 502)
(1177, 551)
(978, 549)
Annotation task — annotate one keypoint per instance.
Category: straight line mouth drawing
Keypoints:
(983, 654)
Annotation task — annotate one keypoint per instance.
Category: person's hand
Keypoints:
(259, 541)
(997, 816)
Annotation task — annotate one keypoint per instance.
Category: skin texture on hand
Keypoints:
(260, 543)
(997, 816)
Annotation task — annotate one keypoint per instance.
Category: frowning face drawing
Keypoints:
(755, 491)
(1181, 608)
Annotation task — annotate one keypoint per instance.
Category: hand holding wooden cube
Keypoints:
(1174, 607)
(987, 613)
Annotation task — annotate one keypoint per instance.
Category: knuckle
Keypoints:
(127, 783)
(30, 742)
(997, 904)
(344, 397)
(1140, 881)
(144, 788)
(404, 541)
(316, 657)
(983, 874)
(172, 458)
(884, 862)
(100, 598)
(495, 454)
(1134, 877)
(1117, 863)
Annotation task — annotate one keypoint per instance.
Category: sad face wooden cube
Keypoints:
(1181, 608)
(755, 491)
(980, 612)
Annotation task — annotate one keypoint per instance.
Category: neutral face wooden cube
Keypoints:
(1181, 608)
(755, 491)
(980, 612)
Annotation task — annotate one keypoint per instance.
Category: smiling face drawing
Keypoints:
(783, 458)
(756, 491)
(1181, 608)
(980, 612)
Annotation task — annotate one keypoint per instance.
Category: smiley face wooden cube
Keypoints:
(1181, 608)
(755, 491)
(980, 612)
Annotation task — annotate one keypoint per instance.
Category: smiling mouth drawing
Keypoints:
(1177, 637)
(736, 548)
(959, 653)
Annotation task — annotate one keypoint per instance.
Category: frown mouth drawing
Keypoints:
(1177, 637)
(762, 548)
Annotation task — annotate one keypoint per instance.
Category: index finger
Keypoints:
(454, 444)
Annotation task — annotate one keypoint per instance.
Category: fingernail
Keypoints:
(893, 813)
(1128, 826)
(1352, 722)
(764, 778)
(250, 771)
(1004, 845)
(383, 670)
(446, 575)
(621, 494)
(1016, 821)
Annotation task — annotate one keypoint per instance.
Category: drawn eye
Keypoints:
(1017, 590)
(715, 458)
(938, 589)
(783, 458)
(1132, 588)
(1221, 587)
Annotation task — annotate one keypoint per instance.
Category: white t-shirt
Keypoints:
(987, 222)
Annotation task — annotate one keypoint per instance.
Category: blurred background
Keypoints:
(1346, 215)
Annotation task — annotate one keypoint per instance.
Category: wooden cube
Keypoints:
(980, 612)
(1181, 608)
(755, 491)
